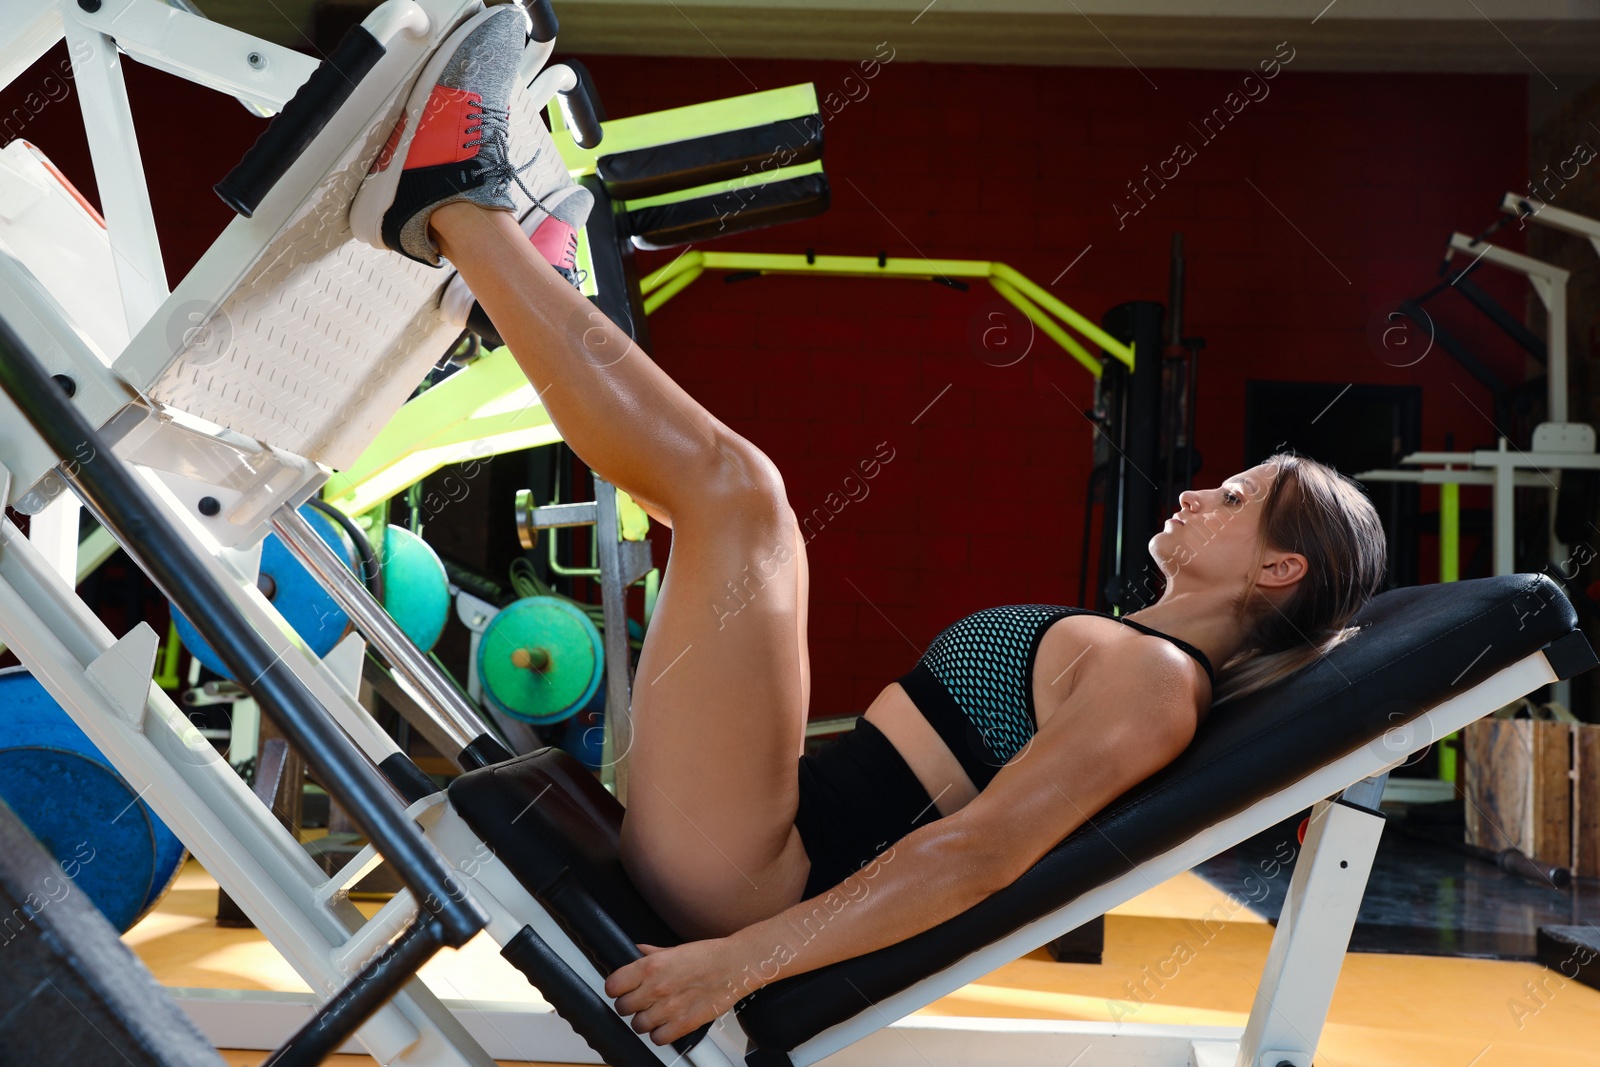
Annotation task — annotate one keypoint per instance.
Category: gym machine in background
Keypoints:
(1143, 412)
(1144, 452)
(1540, 447)
(1554, 454)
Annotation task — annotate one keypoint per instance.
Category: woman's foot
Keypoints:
(457, 147)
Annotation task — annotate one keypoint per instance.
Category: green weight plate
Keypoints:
(415, 589)
(540, 659)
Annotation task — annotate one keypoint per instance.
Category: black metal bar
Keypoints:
(612, 252)
(353, 1005)
(1502, 318)
(1450, 279)
(485, 751)
(596, 934)
(1175, 285)
(543, 16)
(1132, 508)
(1447, 341)
(122, 506)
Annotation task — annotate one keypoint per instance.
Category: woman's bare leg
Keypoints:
(719, 701)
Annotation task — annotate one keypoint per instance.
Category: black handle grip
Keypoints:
(301, 119)
(582, 118)
(584, 1010)
(545, 26)
(597, 935)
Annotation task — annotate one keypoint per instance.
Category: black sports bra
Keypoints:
(974, 685)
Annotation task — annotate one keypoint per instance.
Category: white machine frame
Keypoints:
(1557, 443)
(155, 403)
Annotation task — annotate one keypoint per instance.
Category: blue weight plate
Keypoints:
(90, 821)
(299, 598)
(68, 793)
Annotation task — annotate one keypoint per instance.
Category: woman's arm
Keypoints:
(1126, 719)
(921, 880)
(932, 874)
(1131, 713)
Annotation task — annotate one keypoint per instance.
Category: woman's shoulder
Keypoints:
(1098, 643)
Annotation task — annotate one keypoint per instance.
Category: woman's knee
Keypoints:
(748, 480)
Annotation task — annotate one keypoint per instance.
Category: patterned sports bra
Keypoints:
(975, 682)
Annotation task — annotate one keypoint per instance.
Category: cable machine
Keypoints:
(1144, 453)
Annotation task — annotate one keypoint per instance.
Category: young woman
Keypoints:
(1018, 724)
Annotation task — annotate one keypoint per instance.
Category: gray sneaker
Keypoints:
(451, 141)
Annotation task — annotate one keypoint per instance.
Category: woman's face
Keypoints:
(1211, 539)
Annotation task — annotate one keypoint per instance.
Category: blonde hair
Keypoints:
(1312, 509)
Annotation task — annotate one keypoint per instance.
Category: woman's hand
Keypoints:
(671, 991)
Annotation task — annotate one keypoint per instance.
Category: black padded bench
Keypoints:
(1467, 647)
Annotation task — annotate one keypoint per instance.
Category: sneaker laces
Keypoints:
(572, 273)
(494, 135)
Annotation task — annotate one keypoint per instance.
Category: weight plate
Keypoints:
(108, 842)
(540, 659)
(299, 598)
(416, 592)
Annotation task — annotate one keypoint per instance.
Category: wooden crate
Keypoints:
(1520, 787)
(1587, 779)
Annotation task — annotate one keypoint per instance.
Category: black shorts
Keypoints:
(857, 797)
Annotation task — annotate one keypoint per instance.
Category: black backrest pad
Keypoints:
(1418, 647)
(666, 168)
(736, 210)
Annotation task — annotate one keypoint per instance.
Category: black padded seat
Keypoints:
(545, 814)
(1419, 646)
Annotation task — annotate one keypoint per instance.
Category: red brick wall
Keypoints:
(981, 502)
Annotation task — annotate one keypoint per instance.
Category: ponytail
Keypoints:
(1248, 671)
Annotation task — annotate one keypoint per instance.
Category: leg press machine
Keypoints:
(191, 423)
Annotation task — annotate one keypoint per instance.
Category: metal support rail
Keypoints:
(110, 491)
(441, 700)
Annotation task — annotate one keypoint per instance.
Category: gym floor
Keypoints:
(1425, 897)
(1189, 950)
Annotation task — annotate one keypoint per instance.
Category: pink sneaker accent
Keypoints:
(556, 242)
(450, 118)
